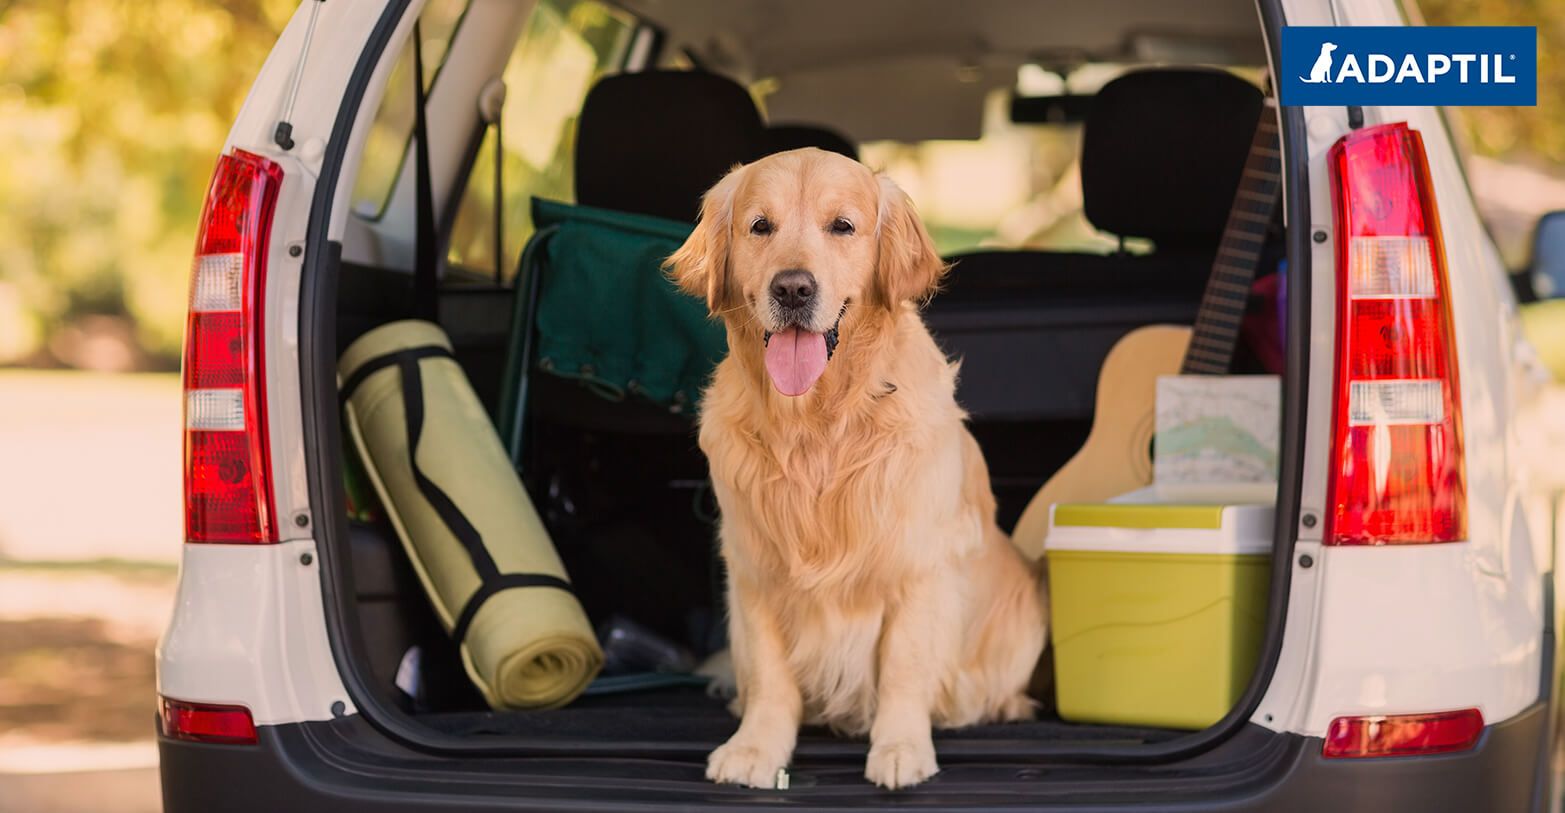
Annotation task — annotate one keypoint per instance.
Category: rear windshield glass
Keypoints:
(389, 133)
(1018, 186)
(567, 46)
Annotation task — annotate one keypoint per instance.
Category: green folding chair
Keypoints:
(594, 305)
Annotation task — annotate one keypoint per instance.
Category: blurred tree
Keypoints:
(1533, 135)
(112, 113)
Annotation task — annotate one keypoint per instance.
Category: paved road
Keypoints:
(122, 791)
(89, 466)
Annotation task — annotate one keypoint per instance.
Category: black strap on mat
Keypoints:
(495, 584)
(425, 287)
(379, 363)
(491, 580)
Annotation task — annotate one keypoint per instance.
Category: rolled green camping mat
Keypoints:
(464, 518)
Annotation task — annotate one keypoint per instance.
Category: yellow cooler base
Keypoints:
(1154, 639)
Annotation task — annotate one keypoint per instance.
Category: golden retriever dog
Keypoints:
(869, 588)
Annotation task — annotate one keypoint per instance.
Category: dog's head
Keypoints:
(787, 244)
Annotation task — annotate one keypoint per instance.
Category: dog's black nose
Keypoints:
(793, 288)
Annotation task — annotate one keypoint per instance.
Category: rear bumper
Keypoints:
(345, 766)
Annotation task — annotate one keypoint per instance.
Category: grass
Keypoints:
(104, 566)
(107, 382)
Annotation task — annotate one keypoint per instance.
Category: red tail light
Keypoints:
(228, 484)
(1397, 438)
(1403, 734)
(204, 722)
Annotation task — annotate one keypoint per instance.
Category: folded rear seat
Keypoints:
(1162, 152)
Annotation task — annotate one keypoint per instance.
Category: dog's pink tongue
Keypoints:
(795, 359)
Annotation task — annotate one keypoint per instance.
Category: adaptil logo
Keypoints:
(1409, 66)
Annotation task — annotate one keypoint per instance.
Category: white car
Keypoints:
(303, 668)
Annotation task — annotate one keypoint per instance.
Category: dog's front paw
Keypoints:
(739, 762)
(900, 764)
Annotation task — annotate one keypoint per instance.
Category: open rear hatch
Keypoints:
(622, 489)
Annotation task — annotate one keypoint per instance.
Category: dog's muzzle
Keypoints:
(831, 335)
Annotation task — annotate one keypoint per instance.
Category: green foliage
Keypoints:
(112, 113)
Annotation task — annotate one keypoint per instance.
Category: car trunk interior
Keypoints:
(620, 483)
(633, 518)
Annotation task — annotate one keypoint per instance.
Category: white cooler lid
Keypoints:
(1146, 522)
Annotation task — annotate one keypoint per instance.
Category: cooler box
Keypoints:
(1157, 609)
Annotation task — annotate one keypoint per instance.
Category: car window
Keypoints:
(1018, 186)
(566, 46)
(389, 133)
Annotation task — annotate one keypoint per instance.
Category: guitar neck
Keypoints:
(1216, 330)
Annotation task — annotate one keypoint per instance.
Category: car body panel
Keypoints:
(249, 629)
(1424, 627)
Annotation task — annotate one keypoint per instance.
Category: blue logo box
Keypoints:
(1415, 66)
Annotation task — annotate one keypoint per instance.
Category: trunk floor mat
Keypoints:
(688, 717)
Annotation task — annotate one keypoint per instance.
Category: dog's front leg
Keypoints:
(917, 638)
(768, 692)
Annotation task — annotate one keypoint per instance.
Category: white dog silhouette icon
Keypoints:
(1321, 71)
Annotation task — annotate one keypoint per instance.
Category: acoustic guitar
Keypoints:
(1117, 455)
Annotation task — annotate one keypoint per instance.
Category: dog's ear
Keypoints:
(909, 266)
(700, 266)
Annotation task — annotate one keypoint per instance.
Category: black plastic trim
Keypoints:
(344, 767)
(458, 191)
(1544, 779)
(323, 448)
(318, 385)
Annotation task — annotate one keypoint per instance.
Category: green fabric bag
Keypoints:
(607, 314)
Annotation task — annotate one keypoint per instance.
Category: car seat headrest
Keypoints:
(1162, 152)
(784, 137)
(653, 142)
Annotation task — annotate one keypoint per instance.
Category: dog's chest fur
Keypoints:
(818, 503)
(834, 536)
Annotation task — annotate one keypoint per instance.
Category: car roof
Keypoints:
(865, 65)
(772, 38)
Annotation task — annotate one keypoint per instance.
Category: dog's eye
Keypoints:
(841, 226)
(761, 226)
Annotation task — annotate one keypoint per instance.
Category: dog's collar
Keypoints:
(831, 335)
